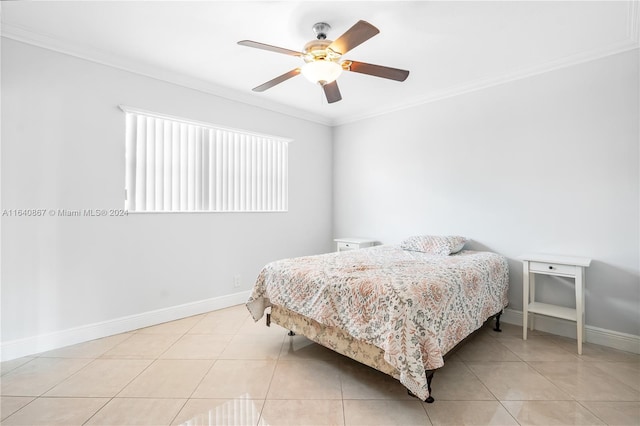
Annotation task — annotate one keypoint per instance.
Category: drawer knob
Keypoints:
(550, 267)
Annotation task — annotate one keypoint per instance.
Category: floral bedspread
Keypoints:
(414, 306)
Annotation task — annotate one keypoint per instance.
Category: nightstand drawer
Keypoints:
(552, 268)
(342, 246)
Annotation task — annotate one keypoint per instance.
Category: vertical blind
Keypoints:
(176, 165)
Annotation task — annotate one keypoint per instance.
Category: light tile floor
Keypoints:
(221, 368)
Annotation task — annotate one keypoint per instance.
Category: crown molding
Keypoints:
(24, 35)
(45, 41)
(565, 62)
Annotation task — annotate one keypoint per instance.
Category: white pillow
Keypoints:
(434, 244)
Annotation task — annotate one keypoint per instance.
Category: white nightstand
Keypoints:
(561, 266)
(344, 244)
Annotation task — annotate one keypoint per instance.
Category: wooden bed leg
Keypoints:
(268, 320)
(497, 328)
(291, 333)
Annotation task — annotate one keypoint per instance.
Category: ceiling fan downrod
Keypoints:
(321, 29)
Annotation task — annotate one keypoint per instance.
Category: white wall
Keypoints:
(63, 148)
(545, 164)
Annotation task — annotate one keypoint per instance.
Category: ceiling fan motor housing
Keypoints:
(318, 50)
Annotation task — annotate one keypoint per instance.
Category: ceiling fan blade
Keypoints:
(257, 45)
(332, 92)
(356, 35)
(284, 77)
(376, 70)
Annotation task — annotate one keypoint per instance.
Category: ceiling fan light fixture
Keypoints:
(321, 71)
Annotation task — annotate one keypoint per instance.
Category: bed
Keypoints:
(397, 308)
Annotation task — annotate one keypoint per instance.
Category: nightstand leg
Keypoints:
(579, 308)
(525, 299)
(532, 297)
(584, 293)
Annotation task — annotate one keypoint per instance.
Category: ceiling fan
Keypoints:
(323, 59)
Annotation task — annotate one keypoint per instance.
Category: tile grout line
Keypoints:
(495, 396)
(591, 412)
(225, 345)
(4, 373)
(549, 380)
(344, 411)
(193, 391)
(123, 387)
(275, 367)
(490, 391)
(426, 411)
(98, 410)
(43, 395)
(153, 360)
(18, 410)
(203, 376)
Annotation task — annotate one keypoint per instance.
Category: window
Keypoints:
(177, 165)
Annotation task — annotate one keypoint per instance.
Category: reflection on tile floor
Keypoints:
(221, 368)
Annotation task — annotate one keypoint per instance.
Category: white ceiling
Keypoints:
(450, 47)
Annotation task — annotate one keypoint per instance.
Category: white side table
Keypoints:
(561, 266)
(352, 243)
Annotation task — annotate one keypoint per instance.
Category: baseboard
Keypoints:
(599, 336)
(58, 339)
(45, 342)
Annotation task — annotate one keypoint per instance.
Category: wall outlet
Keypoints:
(236, 281)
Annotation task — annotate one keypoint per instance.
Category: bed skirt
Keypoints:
(333, 338)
